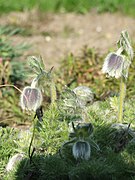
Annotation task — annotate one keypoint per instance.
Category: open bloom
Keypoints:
(81, 150)
(31, 98)
(116, 65)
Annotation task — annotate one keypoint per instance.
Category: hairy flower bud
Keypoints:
(84, 94)
(31, 98)
(81, 150)
(125, 43)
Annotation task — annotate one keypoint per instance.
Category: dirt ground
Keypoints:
(53, 36)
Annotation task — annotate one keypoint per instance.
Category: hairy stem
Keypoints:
(85, 115)
(121, 99)
(33, 134)
(53, 92)
(10, 85)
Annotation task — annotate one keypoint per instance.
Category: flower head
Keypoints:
(84, 95)
(115, 65)
(81, 150)
(31, 98)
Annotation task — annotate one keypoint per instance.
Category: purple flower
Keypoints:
(115, 65)
(31, 98)
(81, 150)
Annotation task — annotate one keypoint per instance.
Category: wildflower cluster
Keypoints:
(75, 101)
(117, 64)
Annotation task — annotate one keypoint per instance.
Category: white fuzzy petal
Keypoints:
(81, 150)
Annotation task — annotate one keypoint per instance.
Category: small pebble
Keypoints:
(48, 38)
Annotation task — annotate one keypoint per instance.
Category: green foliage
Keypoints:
(23, 141)
(10, 30)
(8, 51)
(44, 167)
(79, 6)
(9, 55)
(11, 71)
(68, 104)
(86, 69)
(47, 163)
(44, 78)
(18, 72)
(51, 132)
(10, 111)
(7, 147)
(96, 169)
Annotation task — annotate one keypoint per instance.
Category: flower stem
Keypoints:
(119, 51)
(53, 92)
(85, 115)
(121, 99)
(10, 85)
(32, 138)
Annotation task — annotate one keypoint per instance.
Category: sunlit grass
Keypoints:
(79, 6)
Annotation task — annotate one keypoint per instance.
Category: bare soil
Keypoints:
(53, 36)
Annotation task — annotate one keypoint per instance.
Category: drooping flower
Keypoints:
(31, 97)
(116, 65)
(81, 150)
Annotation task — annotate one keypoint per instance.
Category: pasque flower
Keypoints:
(31, 97)
(116, 65)
(81, 150)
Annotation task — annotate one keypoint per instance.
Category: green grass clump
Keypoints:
(51, 133)
(43, 167)
(12, 71)
(112, 166)
(79, 6)
(11, 30)
(7, 147)
(115, 157)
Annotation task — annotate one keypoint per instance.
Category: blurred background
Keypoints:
(74, 36)
(55, 28)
